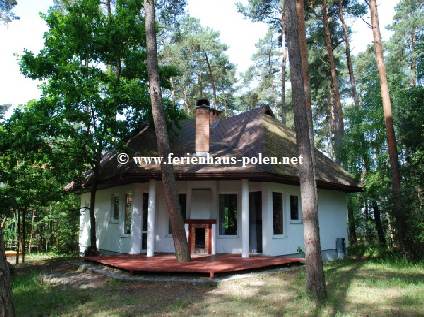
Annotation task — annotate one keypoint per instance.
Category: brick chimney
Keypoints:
(206, 118)
(203, 113)
(214, 117)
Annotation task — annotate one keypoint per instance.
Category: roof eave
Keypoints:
(252, 176)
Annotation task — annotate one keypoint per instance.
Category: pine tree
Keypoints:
(315, 279)
(168, 176)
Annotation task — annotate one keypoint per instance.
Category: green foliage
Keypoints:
(408, 30)
(6, 14)
(94, 94)
(268, 11)
(264, 75)
(202, 69)
(365, 145)
(96, 89)
(301, 251)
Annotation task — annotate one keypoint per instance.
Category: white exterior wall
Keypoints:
(110, 237)
(110, 233)
(292, 236)
(332, 217)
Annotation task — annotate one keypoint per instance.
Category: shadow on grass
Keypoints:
(35, 296)
(339, 278)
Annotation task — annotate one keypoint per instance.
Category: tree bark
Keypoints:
(271, 82)
(315, 280)
(215, 102)
(348, 59)
(339, 130)
(23, 244)
(92, 249)
(414, 58)
(32, 231)
(7, 308)
(305, 66)
(378, 225)
(283, 64)
(18, 233)
(400, 216)
(168, 176)
(351, 226)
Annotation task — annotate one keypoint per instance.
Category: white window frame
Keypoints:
(229, 236)
(283, 220)
(124, 211)
(112, 208)
(299, 207)
(168, 234)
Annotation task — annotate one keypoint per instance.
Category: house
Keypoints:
(238, 189)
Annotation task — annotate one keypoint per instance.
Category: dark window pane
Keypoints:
(183, 205)
(294, 208)
(145, 210)
(277, 212)
(228, 214)
(116, 208)
(144, 241)
(128, 213)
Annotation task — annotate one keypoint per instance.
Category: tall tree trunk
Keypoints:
(283, 64)
(187, 108)
(315, 279)
(7, 308)
(215, 102)
(400, 215)
(200, 82)
(300, 8)
(172, 91)
(351, 226)
(168, 176)
(378, 225)
(271, 82)
(368, 232)
(92, 249)
(23, 244)
(32, 231)
(414, 58)
(18, 240)
(348, 59)
(339, 131)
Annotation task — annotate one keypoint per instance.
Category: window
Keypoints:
(115, 207)
(277, 212)
(128, 213)
(182, 198)
(228, 214)
(294, 208)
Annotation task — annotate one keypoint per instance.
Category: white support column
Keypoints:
(213, 238)
(151, 217)
(245, 218)
(266, 219)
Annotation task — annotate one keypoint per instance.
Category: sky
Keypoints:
(238, 33)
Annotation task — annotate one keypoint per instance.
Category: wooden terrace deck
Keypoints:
(210, 264)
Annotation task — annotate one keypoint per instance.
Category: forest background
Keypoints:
(346, 102)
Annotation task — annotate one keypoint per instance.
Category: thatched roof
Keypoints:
(243, 135)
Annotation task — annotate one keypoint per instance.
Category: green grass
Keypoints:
(31, 296)
(354, 288)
